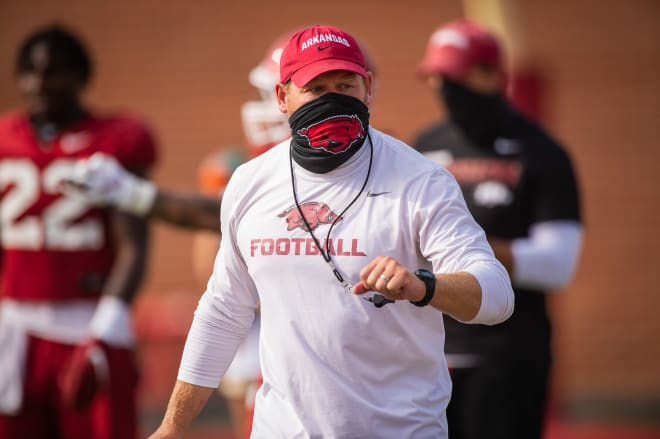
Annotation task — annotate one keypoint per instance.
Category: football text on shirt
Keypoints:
(303, 246)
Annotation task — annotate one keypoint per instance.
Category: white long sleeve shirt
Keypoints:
(335, 366)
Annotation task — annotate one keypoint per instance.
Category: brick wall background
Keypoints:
(183, 67)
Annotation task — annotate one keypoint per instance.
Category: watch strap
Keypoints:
(429, 281)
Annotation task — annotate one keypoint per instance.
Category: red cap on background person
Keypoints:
(455, 48)
(319, 49)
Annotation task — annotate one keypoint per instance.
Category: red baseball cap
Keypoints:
(455, 48)
(319, 49)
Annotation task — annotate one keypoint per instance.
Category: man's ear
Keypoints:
(280, 93)
(434, 82)
(370, 85)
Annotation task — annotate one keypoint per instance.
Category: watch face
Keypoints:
(425, 274)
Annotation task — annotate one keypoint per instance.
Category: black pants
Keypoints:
(503, 401)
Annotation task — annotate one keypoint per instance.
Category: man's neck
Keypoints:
(47, 126)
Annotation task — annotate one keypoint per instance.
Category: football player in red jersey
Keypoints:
(70, 269)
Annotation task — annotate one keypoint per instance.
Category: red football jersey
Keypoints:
(55, 247)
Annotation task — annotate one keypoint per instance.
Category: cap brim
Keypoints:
(447, 61)
(311, 71)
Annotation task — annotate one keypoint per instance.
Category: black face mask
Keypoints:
(479, 115)
(328, 131)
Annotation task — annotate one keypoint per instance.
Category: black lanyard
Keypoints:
(326, 254)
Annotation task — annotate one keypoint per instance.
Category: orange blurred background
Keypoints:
(182, 66)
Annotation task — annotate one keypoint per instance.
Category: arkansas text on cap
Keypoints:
(319, 49)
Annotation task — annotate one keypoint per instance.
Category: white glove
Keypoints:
(101, 180)
(112, 322)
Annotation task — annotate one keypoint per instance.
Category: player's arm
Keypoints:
(131, 237)
(546, 259)
(192, 211)
(185, 403)
(111, 322)
(102, 180)
(502, 250)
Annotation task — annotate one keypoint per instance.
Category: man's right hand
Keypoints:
(101, 180)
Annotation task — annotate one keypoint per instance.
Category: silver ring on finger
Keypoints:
(385, 278)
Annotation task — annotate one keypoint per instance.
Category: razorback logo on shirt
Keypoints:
(315, 213)
(335, 134)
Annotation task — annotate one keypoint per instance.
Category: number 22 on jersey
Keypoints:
(56, 226)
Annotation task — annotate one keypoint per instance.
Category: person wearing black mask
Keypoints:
(520, 186)
(354, 245)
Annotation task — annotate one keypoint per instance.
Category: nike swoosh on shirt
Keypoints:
(375, 194)
(319, 48)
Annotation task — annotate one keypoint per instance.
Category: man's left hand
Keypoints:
(388, 277)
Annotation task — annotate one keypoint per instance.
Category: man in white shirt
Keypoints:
(356, 245)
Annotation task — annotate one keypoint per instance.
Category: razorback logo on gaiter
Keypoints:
(335, 134)
(315, 213)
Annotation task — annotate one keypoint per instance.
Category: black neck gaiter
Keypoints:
(328, 131)
(480, 116)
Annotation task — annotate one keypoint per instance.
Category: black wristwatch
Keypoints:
(429, 280)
